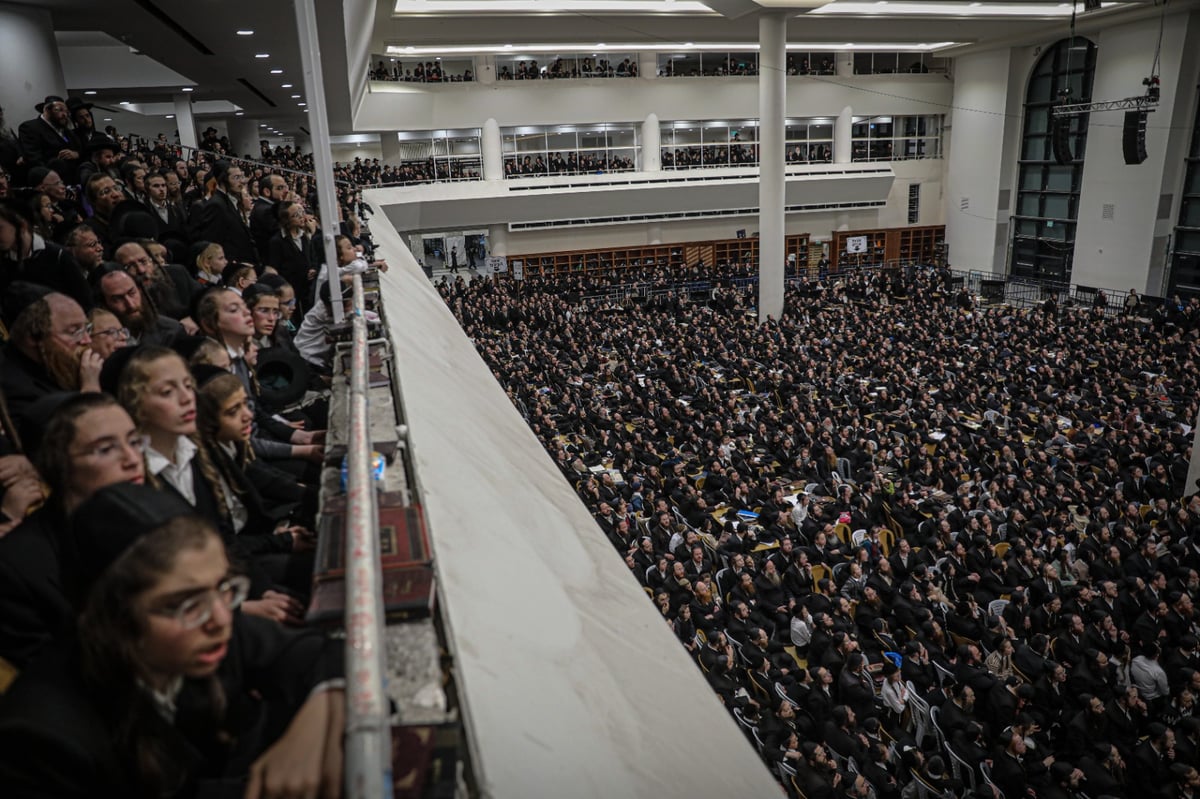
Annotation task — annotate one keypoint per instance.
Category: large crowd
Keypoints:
(167, 324)
(917, 547)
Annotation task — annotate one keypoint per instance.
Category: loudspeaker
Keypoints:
(1133, 143)
(1060, 141)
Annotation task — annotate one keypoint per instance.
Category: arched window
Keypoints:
(1043, 237)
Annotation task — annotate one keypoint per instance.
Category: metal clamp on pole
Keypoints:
(368, 731)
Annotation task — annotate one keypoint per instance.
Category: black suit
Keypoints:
(217, 219)
(294, 262)
(23, 382)
(33, 604)
(41, 143)
(263, 225)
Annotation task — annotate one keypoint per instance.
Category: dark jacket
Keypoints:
(50, 266)
(56, 737)
(33, 603)
(218, 220)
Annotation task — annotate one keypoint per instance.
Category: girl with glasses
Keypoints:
(107, 332)
(79, 443)
(167, 689)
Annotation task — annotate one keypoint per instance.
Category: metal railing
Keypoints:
(368, 732)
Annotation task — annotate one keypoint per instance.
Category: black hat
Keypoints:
(187, 346)
(114, 365)
(18, 296)
(204, 372)
(75, 104)
(98, 142)
(36, 175)
(113, 519)
(50, 98)
(219, 170)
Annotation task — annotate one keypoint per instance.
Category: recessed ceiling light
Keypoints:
(277, 72)
(170, 116)
(239, 113)
(285, 85)
(262, 55)
(90, 91)
(108, 119)
(245, 33)
(187, 89)
(295, 97)
(301, 103)
(124, 102)
(262, 124)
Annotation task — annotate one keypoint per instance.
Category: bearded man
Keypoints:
(47, 350)
(121, 295)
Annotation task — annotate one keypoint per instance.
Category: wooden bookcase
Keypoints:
(925, 244)
(662, 256)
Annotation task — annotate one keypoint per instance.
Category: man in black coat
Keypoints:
(46, 140)
(272, 189)
(219, 219)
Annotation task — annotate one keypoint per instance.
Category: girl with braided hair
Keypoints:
(158, 391)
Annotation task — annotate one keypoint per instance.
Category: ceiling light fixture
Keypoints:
(277, 72)
(239, 113)
(125, 102)
(90, 91)
(170, 116)
(285, 85)
(262, 55)
(295, 97)
(187, 89)
(717, 47)
(245, 33)
(108, 119)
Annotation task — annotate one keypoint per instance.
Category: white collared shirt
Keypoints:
(179, 473)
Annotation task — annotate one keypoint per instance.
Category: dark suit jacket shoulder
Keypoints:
(217, 220)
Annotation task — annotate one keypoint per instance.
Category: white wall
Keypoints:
(348, 152)
(28, 62)
(465, 105)
(981, 90)
(1116, 253)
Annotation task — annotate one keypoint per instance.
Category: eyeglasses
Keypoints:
(122, 332)
(198, 609)
(269, 312)
(76, 334)
(289, 304)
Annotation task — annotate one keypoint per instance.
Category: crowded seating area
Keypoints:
(918, 546)
(571, 164)
(164, 405)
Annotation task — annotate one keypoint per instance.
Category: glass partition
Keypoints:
(715, 143)
(436, 156)
(896, 138)
(573, 65)
(458, 69)
(569, 149)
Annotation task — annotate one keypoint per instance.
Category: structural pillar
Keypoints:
(389, 148)
(772, 96)
(651, 144)
(243, 137)
(28, 60)
(843, 148)
(843, 64)
(485, 68)
(647, 64)
(492, 155)
(498, 240)
(186, 123)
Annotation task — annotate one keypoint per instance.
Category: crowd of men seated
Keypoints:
(370, 172)
(916, 546)
(796, 65)
(164, 379)
(562, 68)
(571, 164)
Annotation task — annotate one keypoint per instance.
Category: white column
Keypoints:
(186, 123)
(243, 136)
(651, 144)
(389, 148)
(485, 68)
(492, 152)
(842, 146)
(28, 61)
(654, 233)
(648, 64)
(772, 74)
(498, 240)
(844, 64)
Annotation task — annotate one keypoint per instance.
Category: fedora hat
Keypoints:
(50, 98)
(75, 104)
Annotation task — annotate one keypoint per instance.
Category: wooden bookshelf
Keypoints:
(924, 244)
(661, 256)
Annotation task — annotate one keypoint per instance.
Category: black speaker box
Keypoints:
(1133, 142)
